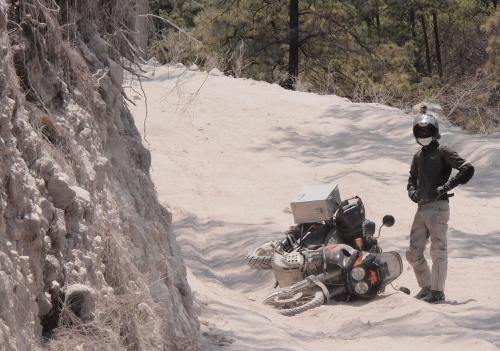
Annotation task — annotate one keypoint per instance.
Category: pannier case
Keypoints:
(315, 203)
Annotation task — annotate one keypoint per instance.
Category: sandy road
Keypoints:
(228, 156)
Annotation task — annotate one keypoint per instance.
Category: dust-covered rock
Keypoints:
(60, 191)
(79, 218)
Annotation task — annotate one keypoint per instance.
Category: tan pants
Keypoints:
(431, 220)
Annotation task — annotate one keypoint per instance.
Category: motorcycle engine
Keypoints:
(314, 261)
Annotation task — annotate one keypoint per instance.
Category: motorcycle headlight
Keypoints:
(358, 273)
(361, 288)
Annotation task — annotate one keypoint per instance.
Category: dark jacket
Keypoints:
(431, 168)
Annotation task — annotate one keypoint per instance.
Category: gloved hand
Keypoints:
(413, 195)
(442, 190)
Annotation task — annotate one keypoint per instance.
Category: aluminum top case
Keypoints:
(315, 203)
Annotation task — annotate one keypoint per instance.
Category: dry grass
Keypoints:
(127, 319)
(465, 105)
(122, 322)
(119, 324)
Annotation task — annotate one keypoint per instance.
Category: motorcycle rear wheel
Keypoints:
(299, 302)
(260, 256)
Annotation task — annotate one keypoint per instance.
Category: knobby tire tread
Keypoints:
(318, 300)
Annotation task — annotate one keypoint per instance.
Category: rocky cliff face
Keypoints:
(86, 258)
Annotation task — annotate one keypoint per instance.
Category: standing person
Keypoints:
(428, 186)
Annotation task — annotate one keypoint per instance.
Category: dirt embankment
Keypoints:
(84, 244)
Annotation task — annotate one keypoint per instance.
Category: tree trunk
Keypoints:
(495, 3)
(426, 42)
(438, 44)
(294, 45)
(141, 23)
(377, 17)
(418, 59)
(368, 21)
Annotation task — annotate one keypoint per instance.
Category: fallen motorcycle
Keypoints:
(334, 259)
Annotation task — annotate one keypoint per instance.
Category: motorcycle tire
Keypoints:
(315, 299)
(260, 257)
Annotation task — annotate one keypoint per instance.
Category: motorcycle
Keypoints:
(320, 262)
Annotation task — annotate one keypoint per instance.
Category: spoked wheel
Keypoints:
(260, 256)
(295, 303)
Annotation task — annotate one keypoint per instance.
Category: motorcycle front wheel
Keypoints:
(295, 303)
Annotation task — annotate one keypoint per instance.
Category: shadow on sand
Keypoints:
(481, 323)
(221, 256)
(244, 313)
(466, 245)
(357, 143)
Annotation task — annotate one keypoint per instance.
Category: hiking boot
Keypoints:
(423, 293)
(433, 296)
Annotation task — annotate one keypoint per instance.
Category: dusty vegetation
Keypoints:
(389, 52)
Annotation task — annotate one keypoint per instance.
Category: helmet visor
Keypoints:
(424, 131)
